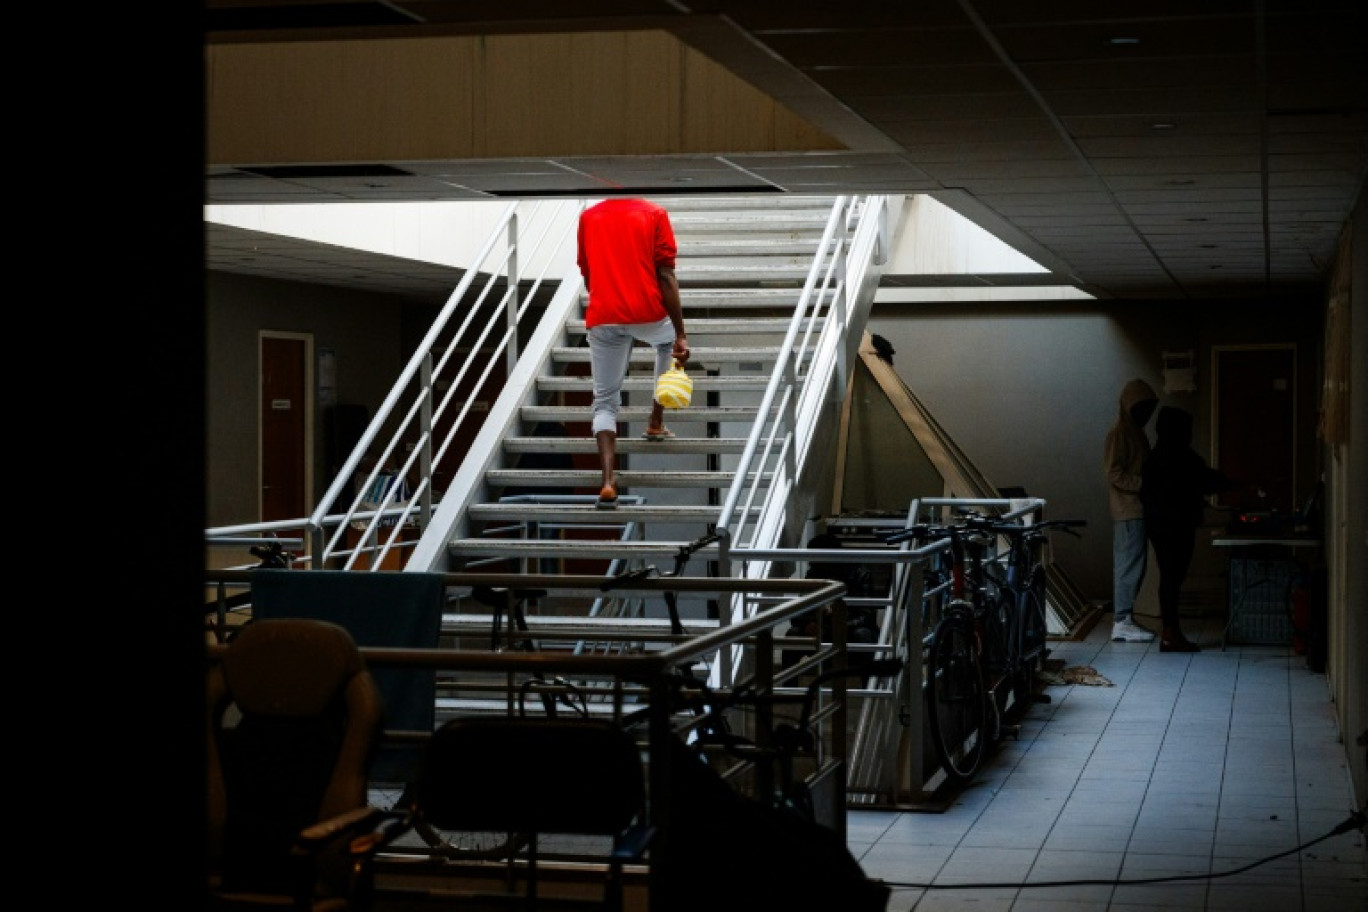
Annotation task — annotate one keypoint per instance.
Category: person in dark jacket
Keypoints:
(1174, 485)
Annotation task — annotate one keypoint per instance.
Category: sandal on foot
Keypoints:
(607, 498)
(660, 433)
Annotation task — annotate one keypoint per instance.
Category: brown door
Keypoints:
(1256, 394)
(285, 409)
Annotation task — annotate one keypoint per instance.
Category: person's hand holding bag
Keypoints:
(681, 351)
(674, 388)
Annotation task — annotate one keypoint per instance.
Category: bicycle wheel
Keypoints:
(470, 844)
(1034, 626)
(957, 702)
(453, 844)
(1001, 648)
(1030, 634)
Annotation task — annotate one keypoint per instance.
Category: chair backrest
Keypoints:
(402, 610)
(531, 775)
(293, 722)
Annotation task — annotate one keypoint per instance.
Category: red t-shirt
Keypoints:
(621, 242)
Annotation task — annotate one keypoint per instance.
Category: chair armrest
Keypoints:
(325, 831)
(388, 826)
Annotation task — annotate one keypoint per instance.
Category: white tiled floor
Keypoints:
(1190, 764)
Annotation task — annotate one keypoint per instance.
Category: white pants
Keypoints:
(610, 350)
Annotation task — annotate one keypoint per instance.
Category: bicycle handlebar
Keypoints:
(687, 551)
(927, 532)
(649, 571)
(978, 524)
(1011, 528)
(631, 576)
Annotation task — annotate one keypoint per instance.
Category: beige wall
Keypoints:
(1029, 390)
(365, 331)
(460, 96)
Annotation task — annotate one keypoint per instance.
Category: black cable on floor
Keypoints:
(1356, 821)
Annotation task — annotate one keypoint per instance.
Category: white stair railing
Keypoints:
(422, 406)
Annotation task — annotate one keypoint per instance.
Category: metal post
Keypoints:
(425, 435)
(511, 312)
(909, 690)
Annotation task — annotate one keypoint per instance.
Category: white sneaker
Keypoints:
(1130, 632)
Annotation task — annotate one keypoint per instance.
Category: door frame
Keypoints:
(1291, 439)
(308, 395)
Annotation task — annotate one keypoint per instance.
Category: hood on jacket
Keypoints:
(1173, 428)
(1137, 392)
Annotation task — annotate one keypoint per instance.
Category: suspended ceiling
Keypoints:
(1144, 149)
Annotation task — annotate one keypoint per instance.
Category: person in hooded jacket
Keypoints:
(1175, 482)
(1123, 459)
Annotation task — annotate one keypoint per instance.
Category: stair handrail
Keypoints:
(856, 236)
(506, 345)
(515, 236)
(468, 484)
(731, 520)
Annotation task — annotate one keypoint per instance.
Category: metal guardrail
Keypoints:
(836, 296)
(523, 228)
(478, 330)
(644, 675)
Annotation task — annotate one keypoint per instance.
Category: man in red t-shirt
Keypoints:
(626, 253)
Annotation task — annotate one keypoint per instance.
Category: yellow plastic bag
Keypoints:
(674, 389)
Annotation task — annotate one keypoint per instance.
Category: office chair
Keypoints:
(534, 776)
(293, 722)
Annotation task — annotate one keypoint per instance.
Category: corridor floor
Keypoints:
(1187, 767)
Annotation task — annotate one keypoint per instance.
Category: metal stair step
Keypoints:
(738, 274)
(805, 221)
(786, 245)
(694, 414)
(573, 548)
(779, 298)
(785, 299)
(702, 383)
(590, 513)
(579, 354)
(586, 444)
(627, 478)
(480, 624)
(703, 326)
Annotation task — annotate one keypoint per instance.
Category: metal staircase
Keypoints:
(764, 283)
(481, 457)
(742, 264)
(776, 292)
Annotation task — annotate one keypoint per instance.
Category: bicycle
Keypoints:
(791, 738)
(1021, 582)
(650, 571)
(962, 712)
(508, 602)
